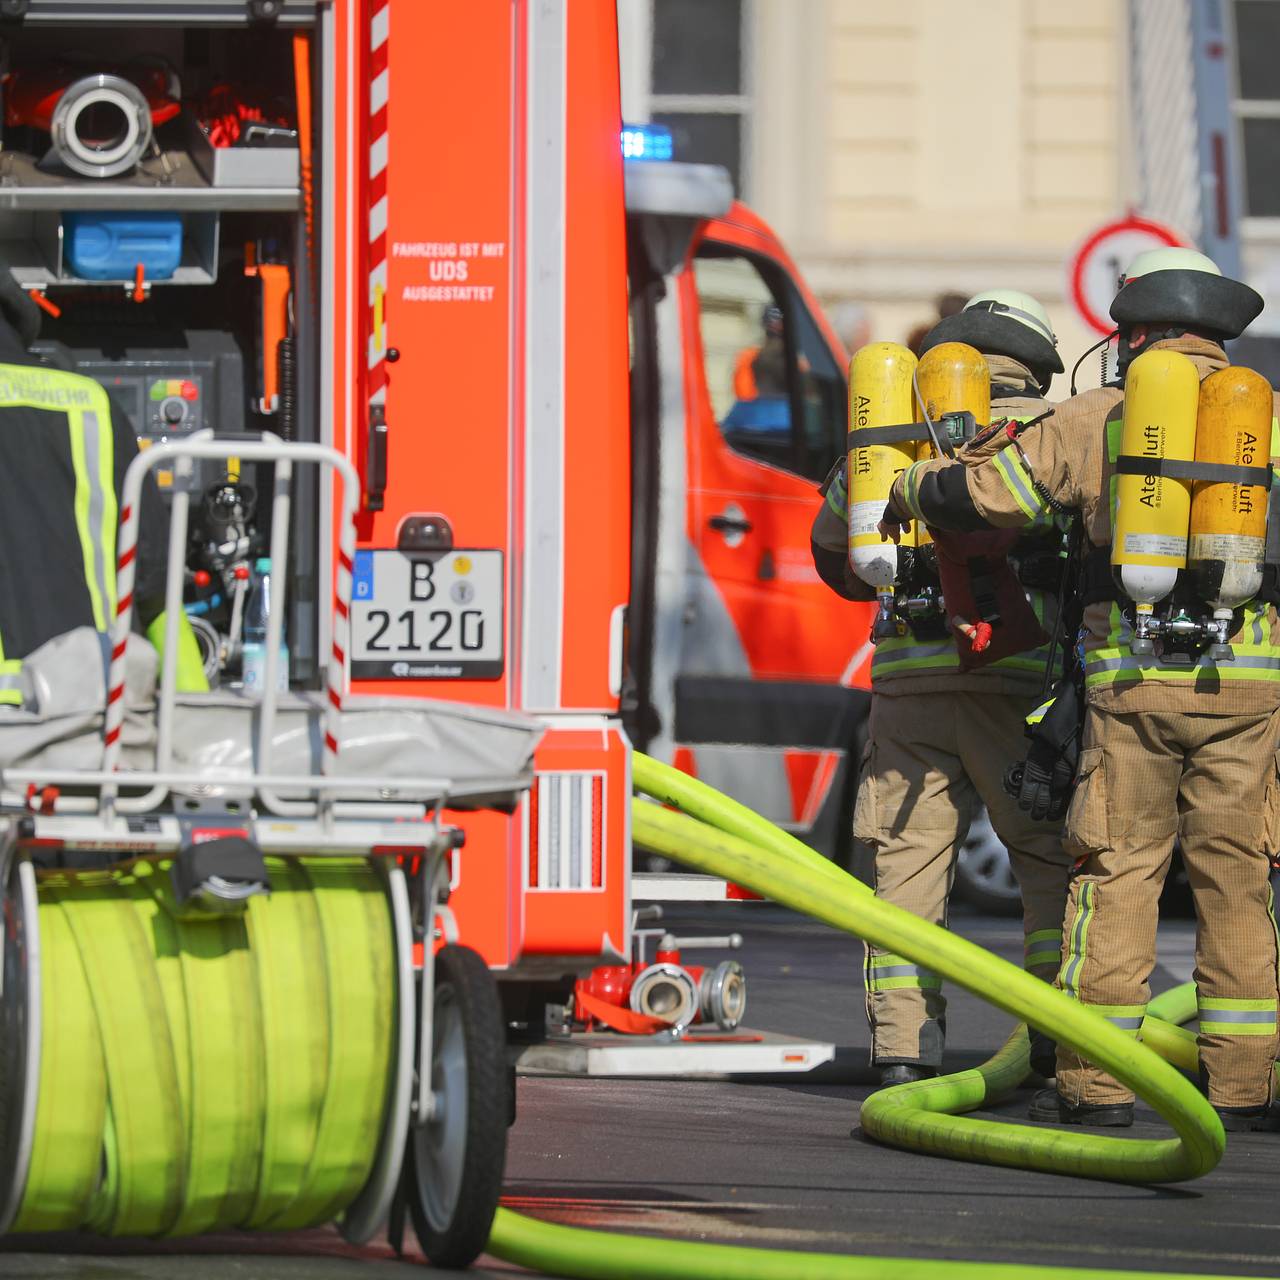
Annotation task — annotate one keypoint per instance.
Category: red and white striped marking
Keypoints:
(379, 96)
(125, 569)
(341, 647)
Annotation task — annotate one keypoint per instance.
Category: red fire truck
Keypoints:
(404, 230)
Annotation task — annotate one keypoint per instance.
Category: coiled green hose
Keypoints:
(210, 1073)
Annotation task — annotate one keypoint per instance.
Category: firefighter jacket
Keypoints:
(905, 664)
(1069, 460)
(63, 455)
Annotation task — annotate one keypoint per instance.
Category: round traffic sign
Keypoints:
(1094, 269)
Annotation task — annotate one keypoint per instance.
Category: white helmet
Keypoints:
(1004, 322)
(1018, 306)
(1181, 289)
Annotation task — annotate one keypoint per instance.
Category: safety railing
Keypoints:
(103, 790)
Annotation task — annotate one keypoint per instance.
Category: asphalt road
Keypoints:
(773, 1164)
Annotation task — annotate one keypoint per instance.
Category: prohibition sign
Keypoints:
(1094, 269)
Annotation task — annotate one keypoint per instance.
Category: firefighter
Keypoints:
(762, 370)
(940, 737)
(1170, 749)
(63, 455)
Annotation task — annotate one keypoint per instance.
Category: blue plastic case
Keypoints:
(109, 246)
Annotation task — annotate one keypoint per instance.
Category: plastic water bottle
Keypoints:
(257, 611)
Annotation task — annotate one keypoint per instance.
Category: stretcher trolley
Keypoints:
(227, 809)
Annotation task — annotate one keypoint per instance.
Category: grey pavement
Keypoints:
(773, 1164)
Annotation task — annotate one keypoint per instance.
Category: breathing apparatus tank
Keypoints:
(1228, 530)
(880, 378)
(951, 378)
(1151, 510)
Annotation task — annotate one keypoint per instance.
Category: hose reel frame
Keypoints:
(21, 1031)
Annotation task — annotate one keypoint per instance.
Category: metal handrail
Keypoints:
(180, 454)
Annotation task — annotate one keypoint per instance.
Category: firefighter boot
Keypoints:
(1250, 1119)
(905, 1073)
(1049, 1105)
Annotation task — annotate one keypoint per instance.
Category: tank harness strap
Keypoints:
(1128, 464)
(904, 433)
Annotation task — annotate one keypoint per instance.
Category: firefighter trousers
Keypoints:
(1145, 778)
(931, 759)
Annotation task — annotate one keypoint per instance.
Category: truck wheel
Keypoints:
(457, 1159)
(984, 876)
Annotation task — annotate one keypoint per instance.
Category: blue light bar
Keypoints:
(646, 142)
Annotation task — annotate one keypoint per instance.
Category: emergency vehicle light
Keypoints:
(646, 142)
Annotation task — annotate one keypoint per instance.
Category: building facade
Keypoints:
(907, 148)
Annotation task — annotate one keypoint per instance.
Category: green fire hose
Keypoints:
(716, 835)
(140, 1132)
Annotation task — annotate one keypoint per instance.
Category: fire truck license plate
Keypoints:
(418, 617)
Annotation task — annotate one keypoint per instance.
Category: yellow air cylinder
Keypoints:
(1229, 521)
(1151, 512)
(952, 377)
(879, 396)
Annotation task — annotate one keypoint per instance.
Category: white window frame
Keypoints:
(1254, 228)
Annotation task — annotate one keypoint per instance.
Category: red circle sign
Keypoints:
(1096, 265)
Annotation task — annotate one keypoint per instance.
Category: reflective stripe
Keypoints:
(1244, 1015)
(1114, 429)
(1222, 1027)
(88, 414)
(1036, 716)
(1111, 662)
(1223, 1016)
(838, 498)
(1228, 1008)
(95, 507)
(1043, 947)
(1126, 1017)
(911, 489)
(904, 653)
(1242, 667)
(1017, 480)
(896, 973)
(10, 681)
(48, 389)
(1045, 935)
(1073, 961)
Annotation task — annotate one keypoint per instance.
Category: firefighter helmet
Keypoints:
(1003, 322)
(1180, 290)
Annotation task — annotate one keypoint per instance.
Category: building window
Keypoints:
(1257, 103)
(698, 85)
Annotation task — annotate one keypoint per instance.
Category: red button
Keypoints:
(202, 577)
(190, 391)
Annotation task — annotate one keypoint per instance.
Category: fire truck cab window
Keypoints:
(775, 390)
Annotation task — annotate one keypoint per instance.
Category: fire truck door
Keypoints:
(766, 645)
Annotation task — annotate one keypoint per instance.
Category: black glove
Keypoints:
(1042, 784)
(1045, 788)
